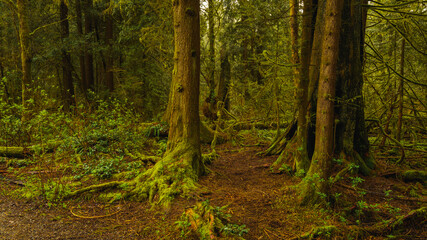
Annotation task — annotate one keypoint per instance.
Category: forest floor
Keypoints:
(239, 179)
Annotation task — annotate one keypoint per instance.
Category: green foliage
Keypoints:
(106, 168)
(156, 129)
(52, 191)
(208, 221)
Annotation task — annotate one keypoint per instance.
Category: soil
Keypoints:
(240, 179)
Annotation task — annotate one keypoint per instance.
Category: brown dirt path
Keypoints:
(239, 179)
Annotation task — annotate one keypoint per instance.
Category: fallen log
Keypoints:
(23, 152)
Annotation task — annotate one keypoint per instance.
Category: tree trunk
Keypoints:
(316, 180)
(302, 162)
(67, 80)
(79, 22)
(24, 41)
(182, 164)
(351, 138)
(294, 9)
(109, 76)
(88, 57)
(350, 141)
(224, 79)
(211, 68)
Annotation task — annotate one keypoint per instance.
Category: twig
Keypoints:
(92, 217)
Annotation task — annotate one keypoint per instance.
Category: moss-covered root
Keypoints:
(176, 174)
(366, 165)
(417, 216)
(96, 188)
(210, 157)
(312, 191)
(319, 232)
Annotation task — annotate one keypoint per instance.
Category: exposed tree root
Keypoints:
(319, 232)
(365, 166)
(284, 162)
(96, 188)
(279, 144)
(176, 174)
(417, 216)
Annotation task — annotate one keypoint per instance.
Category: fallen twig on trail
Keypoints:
(93, 217)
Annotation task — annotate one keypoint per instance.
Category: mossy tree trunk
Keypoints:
(302, 162)
(349, 137)
(182, 164)
(24, 42)
(318, 173)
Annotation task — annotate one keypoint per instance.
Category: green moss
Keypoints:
(174, 175)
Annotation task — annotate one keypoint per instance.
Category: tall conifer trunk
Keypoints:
(24, 41)
(79, 22)
(318, 174)
(182, 164)
(88, 56)
(67, 80)
(109, 61)
(211, 68)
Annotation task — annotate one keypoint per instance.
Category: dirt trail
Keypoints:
(243, 181)
(239, 179)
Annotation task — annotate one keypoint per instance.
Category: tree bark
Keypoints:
(182, 164)
(79, 22)
(316, 180)
(211, 37)
(67, 79)
(302, 162)
(109, 38)
(294, 9)
(88, 55)
(24, 41)
(224, 79)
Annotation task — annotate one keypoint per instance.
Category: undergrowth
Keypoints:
(209, 222)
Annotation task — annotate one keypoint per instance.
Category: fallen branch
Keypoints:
(23, 152)
(96, 188)
(402, 149)
(316, 232)
(93, 217)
